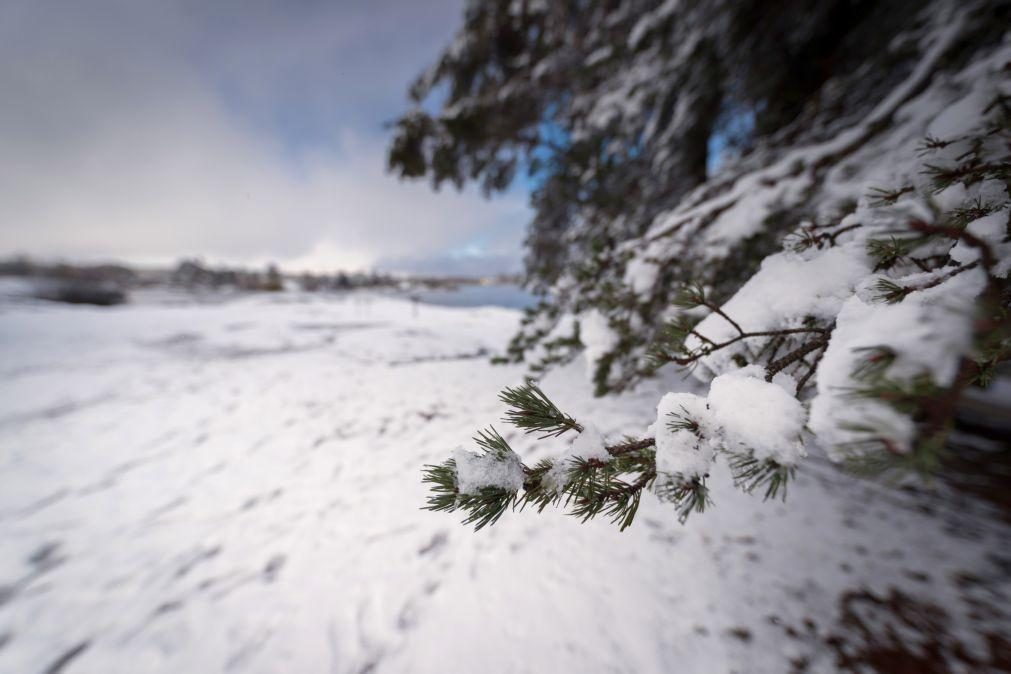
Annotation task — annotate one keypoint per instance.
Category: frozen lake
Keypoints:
(497, 295)
(235, 487)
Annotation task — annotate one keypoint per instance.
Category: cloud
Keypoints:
(147, 132)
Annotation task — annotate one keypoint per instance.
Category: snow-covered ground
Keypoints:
(235, 487)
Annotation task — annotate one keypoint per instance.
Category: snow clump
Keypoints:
(743, 414)
(475, 472)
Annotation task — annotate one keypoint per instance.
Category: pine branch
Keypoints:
(751, 473)
(890, 292)
(842, 230)
(492, 443)
(689, 496)
(631, 447)
(810, 237)
(877, 455)
(589, 486)
(994, 343)
(889, 252)
(874, 365)
(797, 354)
(598, 489)
(875, 458)
(483, 508)
(773, 346)
(885, 197)
(802, 382)
(715, 346)
(971, 171)
(941, 278)
(533, 412)
(962, 216)
(690, 296)
(803, 239)
(986, 254)
(535, 491)
(932, 144)
(716, 309)
(670, 340)
(669, 345)
(683, 422)
(908, 397)
(586, 487)
(442, 477)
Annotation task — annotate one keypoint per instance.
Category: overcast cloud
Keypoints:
(245, 132)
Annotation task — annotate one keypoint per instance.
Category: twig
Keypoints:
(792, 357)
(811, 370)
(719, 312)
(629, 447)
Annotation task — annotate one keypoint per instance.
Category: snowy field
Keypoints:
(235, 487)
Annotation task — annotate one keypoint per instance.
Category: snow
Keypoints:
(681, 453)
(742, 414)
(951, 197)
(557, 476)
(563, 328)
(650, 21)
(757, 415)
(590, 444)
(788, 288)
(598, 55)
(597, 337)
(958, 119)
(993, 230)
(833, 285)
(929, 332)
(740, 209)
(475, 472)
(749, 214)
(235, 487)
(641, 275)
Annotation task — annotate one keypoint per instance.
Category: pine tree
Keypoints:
(853, 279)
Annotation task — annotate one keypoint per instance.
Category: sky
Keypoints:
(145, 131)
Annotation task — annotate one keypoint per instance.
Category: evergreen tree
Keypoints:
(805, 203)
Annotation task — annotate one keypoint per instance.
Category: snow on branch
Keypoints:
(756, 425)
(841, 293)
